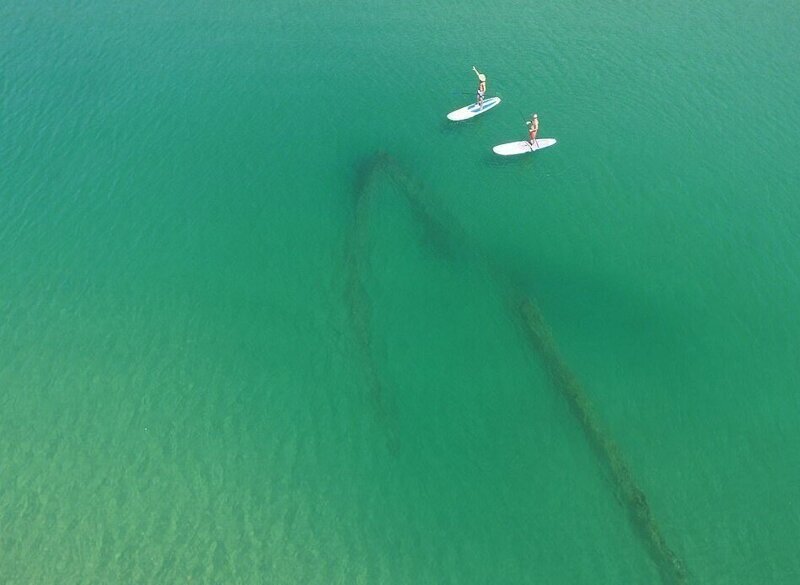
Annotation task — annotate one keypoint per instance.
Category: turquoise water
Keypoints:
(232, 352)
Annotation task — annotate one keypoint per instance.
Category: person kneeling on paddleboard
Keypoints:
(533, 128)
(481, 87)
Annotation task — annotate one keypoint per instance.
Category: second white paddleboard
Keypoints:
(523, 146)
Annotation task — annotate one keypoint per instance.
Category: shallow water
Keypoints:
(202, 279)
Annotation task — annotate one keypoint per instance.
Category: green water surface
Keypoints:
(232, 353)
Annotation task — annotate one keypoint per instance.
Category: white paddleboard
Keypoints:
(473, 110)
(523, 146)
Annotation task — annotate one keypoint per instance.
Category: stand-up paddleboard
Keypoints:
(523, 146)
(473, 110)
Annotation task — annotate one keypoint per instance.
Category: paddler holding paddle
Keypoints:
(533, 128)
(481, 86)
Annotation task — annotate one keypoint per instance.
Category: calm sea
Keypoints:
(262, 307)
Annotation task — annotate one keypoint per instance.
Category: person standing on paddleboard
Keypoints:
(481, 86)
(533, 128)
